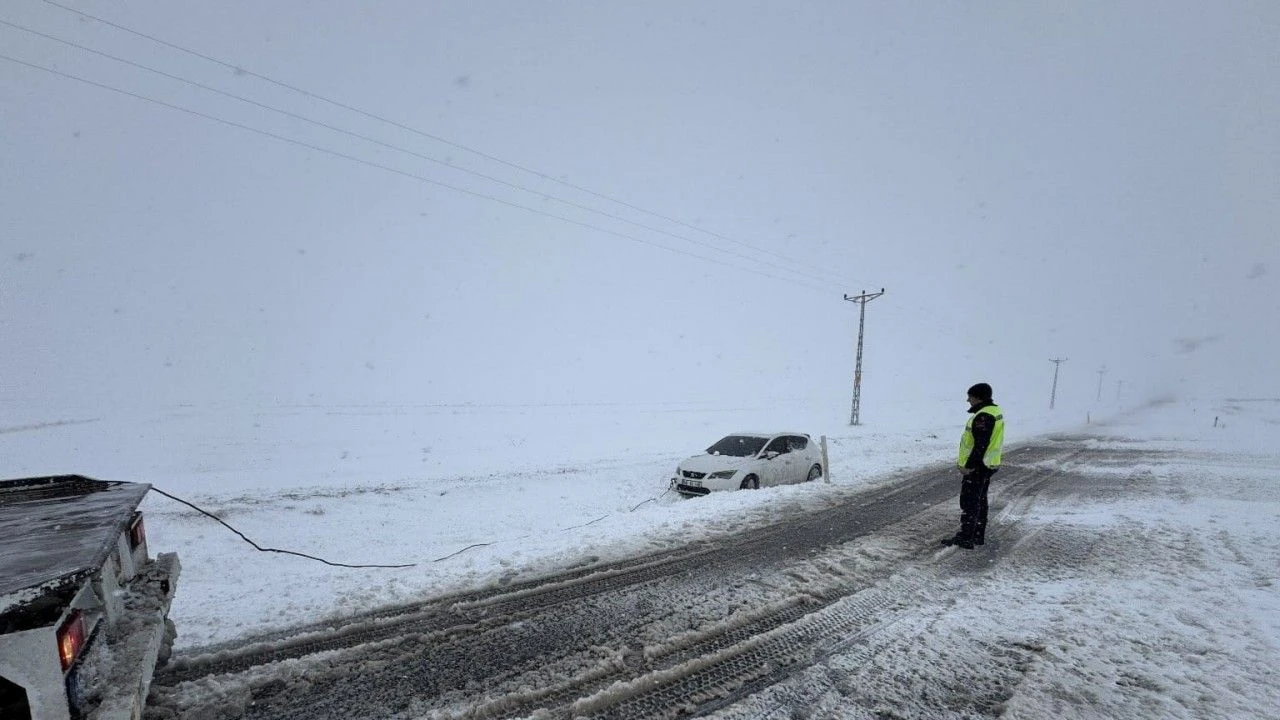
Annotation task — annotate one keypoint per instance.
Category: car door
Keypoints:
(801, 457)
(776, 471)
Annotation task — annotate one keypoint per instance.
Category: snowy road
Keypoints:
(769, 622)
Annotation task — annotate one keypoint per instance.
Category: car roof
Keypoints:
(767, 435)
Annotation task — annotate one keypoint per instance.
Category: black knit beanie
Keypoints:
(982, 391)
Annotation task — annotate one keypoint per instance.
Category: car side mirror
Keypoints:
(770, 454)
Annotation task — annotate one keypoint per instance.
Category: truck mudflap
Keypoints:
(115, 684)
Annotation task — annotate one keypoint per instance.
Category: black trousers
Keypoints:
(973, 504)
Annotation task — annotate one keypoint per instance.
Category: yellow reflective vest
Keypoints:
(990, 458)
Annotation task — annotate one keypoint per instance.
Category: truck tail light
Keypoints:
(137, 532)
(71, 637)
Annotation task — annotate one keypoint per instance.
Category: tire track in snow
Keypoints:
(467, 626)
(866, 622)
(669, 663)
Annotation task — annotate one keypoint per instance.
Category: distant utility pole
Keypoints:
(1053, 394)
(1101, 371)
(1119, 385)
(862, 300)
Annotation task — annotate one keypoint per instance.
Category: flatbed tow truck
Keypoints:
(84, 610)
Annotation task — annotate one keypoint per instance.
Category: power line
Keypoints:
(928, 315)
(924, 314)
(239, 69)
(397, 148)
(403, 173)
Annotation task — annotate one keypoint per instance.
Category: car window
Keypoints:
(737, 446)
(778, 445)
(797, 442)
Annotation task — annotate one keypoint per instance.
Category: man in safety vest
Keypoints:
(979, 458)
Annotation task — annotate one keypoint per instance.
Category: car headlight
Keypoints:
(722, 475)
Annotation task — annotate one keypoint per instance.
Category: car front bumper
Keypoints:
(693, 487)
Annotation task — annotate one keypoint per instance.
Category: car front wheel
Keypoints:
(750, 482)
(815, 472)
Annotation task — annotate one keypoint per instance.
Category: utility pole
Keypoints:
(1119, 385)
(862, 300)
(1101, 371)
(1053, 394)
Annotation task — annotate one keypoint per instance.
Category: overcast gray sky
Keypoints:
(1091, 180)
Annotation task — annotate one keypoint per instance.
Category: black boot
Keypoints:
(956, 539)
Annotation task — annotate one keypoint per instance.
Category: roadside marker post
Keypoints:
(826, 464)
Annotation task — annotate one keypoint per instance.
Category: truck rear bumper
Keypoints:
(123, 677)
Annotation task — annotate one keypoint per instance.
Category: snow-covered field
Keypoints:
(1181, 619)
(467, 496)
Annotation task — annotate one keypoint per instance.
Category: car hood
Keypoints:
(715, 463)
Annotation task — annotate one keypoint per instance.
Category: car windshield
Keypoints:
(737, 446)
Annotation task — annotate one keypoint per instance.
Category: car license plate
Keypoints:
(693, 483)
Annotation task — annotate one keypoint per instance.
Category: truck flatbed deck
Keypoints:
(83, 606)
(57, 531)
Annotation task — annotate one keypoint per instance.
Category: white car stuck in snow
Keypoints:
(750, 461)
